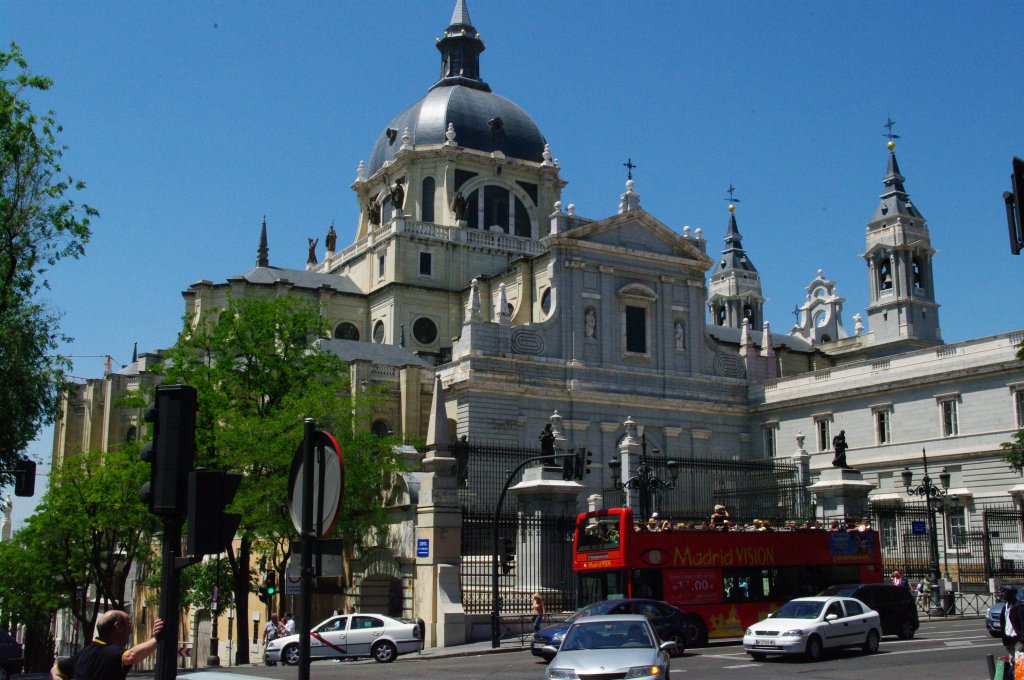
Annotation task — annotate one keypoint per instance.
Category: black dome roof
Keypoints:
(483, 121)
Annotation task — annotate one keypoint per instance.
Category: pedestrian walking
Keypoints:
(287, 624)
(270, 632)
(537, 609)
(106, 657)
(924, 593)
(897, 579)
(1011, 620)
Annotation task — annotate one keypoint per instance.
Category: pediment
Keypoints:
(637, 230)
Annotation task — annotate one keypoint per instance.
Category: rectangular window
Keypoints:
(1018, 407)
(890, 533)
(769, 440)
(636, 330)
(957, 529)
(882, 432)
(824, 441)
(950, 426)
(380, 266)
(426, 264)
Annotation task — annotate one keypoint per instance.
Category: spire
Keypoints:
(733, 256)
(135, 353)
(460, 49)
(263, 252)
(895, 201)
(437, 428)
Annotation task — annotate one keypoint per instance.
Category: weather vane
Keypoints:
(732, 197)
(889, 123)
(629, 168)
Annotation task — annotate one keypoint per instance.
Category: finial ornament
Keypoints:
(450, 134)
(732, 198)
(889, 123)
(361, 172)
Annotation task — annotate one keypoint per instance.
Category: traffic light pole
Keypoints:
(495, 604)
(167, 643)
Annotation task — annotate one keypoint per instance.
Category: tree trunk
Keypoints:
(240, 566)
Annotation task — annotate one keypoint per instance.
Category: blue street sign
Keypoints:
(422, 547)
(917, 527)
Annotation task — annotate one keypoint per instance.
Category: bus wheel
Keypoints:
(696, 632)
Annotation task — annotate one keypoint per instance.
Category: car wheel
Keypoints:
(907, 631)
(696, 633)
(680, 639)
(814, 648)
(871, 642)
(383, 651)
(758, 656)
(290, 655)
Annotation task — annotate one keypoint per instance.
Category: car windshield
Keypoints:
(591, 610)
(799, 610)
(607, 635)
(844, 591)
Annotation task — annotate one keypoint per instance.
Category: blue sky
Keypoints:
(190, 121)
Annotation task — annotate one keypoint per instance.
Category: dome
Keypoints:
(483, 121)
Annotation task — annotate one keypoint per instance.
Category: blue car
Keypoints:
(992, 619)
(670, 623)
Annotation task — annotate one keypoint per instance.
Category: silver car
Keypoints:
(352, 636)
(618, 645)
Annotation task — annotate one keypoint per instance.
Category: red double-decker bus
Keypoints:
(728, 580)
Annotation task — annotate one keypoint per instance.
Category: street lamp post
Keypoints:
(929, 491)
(644, 480)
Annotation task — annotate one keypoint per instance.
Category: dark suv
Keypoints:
(895, 605)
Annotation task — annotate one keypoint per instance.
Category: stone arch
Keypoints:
(478, 183)
(379, 589)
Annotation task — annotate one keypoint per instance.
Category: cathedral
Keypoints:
(487, 308)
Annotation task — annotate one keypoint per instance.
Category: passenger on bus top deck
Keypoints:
(720, 518)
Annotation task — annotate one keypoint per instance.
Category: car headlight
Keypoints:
(563, 674)
(795, 632)
(272, 644)
(643, 671)
(557, 637)
(749, 631)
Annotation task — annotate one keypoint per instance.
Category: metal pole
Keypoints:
(306, 609)
(167, 643)
(214, 659)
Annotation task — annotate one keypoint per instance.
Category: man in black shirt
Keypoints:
(106, 657)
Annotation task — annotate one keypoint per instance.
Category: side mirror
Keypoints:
(549, 650)
(831, 617)
(669, 647)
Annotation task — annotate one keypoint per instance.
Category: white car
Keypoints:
(810, 625)
(352, 636)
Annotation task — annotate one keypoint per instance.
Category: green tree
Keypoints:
(1013, 450)
(40, 224)
(77, 550)
(258, 376)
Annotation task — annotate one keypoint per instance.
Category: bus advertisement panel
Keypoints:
(727, 579)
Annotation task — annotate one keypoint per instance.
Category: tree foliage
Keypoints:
(258, 376)
(40, 224)
(76, 551)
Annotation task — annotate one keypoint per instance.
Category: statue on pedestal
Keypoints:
(839, 445)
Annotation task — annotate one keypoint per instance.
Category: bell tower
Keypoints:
(734, 289)
(901, 286)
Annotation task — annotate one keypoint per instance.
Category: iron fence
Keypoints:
(535, 551)
(768, 489)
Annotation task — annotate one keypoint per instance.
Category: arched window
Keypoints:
(131, 435)
(918, 273)
(427, 200)
(720, 315)
(884, 274)
(346, 331)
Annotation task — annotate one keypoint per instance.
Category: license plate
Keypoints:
(764, 643)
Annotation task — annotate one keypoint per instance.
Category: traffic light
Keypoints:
(25, 477)
(268, 587)
(584, 459)
(569, 466)
(1015, 207)
(508, 554)
(172, 449)
(210, 529)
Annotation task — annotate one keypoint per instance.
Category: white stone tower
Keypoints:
(734, 291)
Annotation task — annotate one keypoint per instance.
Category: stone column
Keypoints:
(438, 596)
(629, 450)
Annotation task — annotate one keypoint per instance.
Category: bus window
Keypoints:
(601, 585)
(598, 533)
(647, 583)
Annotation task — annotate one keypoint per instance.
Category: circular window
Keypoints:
(424, 330)
(346, 331)
(380, 428)
(545, 301)
(378, 332)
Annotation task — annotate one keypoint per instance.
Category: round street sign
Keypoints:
(328, 483)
